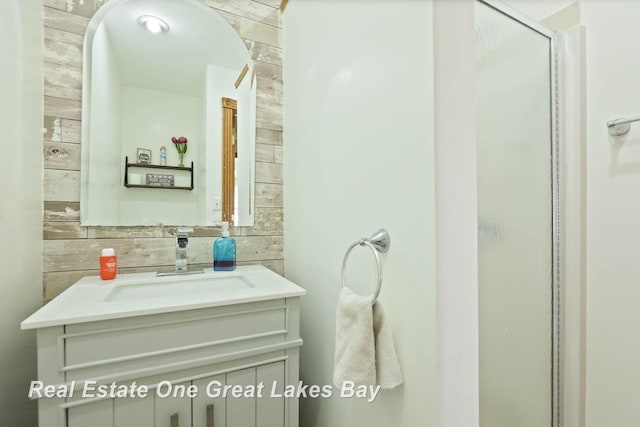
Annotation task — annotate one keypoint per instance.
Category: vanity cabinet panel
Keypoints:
(152, 335)
(270, 409)
(240, 344)
(241, 412)
(134, 412)
(173, 411)
(209, 411)
(106, 348)
(95, 414)
(257, 411)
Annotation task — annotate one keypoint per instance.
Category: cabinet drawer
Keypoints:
(150, 336)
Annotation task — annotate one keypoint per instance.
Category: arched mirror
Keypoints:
(155, 70)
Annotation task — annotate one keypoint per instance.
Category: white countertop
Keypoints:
(92, 299)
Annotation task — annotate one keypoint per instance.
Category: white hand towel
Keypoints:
(365, 353)
(388, 373)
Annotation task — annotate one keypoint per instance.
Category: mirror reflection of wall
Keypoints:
(141, 89)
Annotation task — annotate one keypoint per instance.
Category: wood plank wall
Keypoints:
(71, 251)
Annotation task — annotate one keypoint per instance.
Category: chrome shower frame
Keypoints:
(554, 73)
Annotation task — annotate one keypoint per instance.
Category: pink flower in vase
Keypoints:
(181, 147)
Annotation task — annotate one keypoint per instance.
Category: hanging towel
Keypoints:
(365, 353)
(388, 373)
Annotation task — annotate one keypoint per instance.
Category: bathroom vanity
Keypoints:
(212, 349)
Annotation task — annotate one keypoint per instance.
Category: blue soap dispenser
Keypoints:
(224, 251)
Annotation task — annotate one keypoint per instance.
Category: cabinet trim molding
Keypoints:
(76, 403)
(133, 374)
(140, 356)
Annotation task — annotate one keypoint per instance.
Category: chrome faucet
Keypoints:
(182, 243)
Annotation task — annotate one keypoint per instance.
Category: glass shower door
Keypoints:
(515, 220)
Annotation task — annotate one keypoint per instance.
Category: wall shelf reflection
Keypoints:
(160, 185)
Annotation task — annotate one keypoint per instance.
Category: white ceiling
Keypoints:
(174, 61)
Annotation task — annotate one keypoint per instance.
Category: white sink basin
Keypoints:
(138, 294)
(176, 286)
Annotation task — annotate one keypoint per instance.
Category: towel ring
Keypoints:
(378, 242)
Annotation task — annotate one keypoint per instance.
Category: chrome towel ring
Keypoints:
(378, 242)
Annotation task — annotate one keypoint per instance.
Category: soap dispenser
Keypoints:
(224, 251)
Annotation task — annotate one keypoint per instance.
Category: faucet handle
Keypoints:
(182, 242)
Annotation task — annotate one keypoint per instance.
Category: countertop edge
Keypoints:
(54, 317)
(38, 324)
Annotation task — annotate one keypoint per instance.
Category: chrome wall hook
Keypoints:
(619, 127)
(380, 240)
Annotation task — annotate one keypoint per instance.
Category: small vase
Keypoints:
(181, 159)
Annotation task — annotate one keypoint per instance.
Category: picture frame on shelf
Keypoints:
(143, 156)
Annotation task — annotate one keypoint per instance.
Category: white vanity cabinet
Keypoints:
(201, 350)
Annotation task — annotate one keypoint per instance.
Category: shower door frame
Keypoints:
(554, 75)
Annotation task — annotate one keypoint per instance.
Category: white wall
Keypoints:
(613, 209)
(456, 213)
(21, 207)
(359, 148)
(149, 119)
(538, 9)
